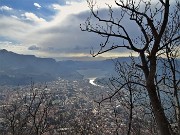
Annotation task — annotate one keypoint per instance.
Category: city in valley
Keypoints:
(89, 67)
(42, 96)
(59, 106)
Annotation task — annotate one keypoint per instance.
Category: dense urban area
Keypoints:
(60, 107)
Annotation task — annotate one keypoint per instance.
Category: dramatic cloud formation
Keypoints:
(52, 28)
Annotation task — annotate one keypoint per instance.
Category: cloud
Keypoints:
(14, 29)
(5, 8)
(60, 36)
(34, 47)
(5, 42)
(56, 6)
(15, 47)
(32, 17)
(15, 17)
(37, 5)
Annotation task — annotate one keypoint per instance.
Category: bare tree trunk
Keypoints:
(153, 23)
(158, 110)
(161, 119)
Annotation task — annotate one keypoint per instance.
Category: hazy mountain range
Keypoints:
(16, 69)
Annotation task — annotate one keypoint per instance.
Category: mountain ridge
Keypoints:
(19, 69)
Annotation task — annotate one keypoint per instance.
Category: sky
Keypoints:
(50, 28)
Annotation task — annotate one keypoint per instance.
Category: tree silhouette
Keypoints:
(158, 36)
(28, 113)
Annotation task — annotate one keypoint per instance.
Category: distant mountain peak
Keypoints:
(3, 51)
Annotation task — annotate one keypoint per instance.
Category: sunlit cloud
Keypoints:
(32, 17)
(15, 47)
(5, 8)
(37, 5)
(14, 29)
(59, 36)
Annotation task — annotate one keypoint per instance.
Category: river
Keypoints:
(92, 74)
(91, 81)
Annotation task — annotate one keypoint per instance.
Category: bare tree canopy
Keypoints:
(158, 26)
